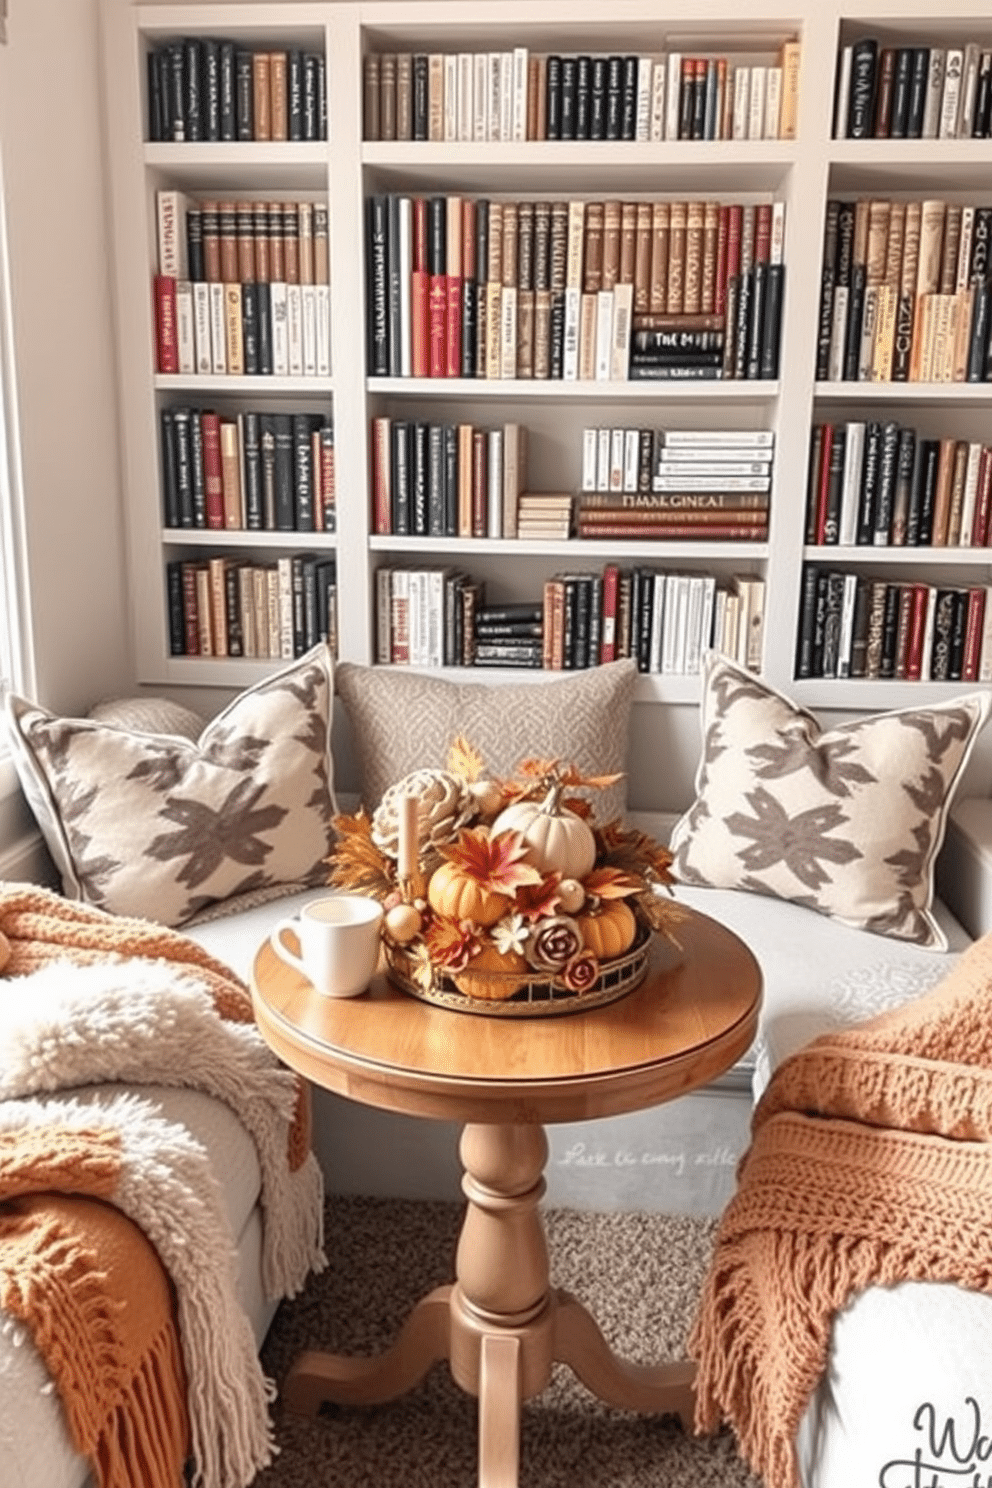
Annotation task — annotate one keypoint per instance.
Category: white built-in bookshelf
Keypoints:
(344, 170)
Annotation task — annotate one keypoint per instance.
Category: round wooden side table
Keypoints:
(500, 1324)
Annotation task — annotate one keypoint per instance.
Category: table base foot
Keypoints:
(317, 1377)
(499, 1412)
(656, 1389)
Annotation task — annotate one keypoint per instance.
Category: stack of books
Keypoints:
(508, 635)
(545, 514)
(711, 484)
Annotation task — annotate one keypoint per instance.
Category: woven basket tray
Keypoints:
(538, 998)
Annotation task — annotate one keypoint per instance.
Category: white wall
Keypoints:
(50, 133)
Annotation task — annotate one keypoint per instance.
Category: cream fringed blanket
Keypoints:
(870, 1164)
(98, 1193)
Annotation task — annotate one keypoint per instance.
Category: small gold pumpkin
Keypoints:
(610, 931)
(491, 975)
(459, 896)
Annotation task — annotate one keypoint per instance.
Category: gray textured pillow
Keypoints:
(847, 821)
(403, 720)
(149, 715)
(159, 826)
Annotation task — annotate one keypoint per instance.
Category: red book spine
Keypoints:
(762, 232)
(213, 478)
(382, 516)
(823, 487)
(437, 332)
(917, 628)
(191, 622)
(611, 587)
(983, 500)
(166, 334)
(973, 634)
(419, 355)
(453, 324)
(717, 532)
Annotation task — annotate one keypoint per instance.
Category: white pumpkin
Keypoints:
(556, 839)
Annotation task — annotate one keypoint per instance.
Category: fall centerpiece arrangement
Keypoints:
(504, 896)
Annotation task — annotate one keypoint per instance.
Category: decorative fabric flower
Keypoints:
(581, 973)
(510, 934)
(553, 943)
(452, 943)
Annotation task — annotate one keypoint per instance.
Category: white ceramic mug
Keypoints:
(339, 942)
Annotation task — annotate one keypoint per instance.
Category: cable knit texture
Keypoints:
(115, 1252)
(870, 1163)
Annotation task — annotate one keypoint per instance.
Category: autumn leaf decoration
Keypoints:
(495, 863)
(612, 883)
(634, 852)
(465, 761)
(357, 865)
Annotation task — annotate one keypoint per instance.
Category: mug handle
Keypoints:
(280, 947)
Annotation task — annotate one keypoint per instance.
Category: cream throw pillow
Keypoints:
(159, 826)
(404, 720)
(846, 821)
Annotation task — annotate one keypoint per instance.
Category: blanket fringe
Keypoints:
(146, 1440)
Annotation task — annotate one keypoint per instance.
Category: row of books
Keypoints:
(520, 95)
(223, 606)
(913, 92)
(600, 290)
(207, 88)
(881, 483)
(437, 617)
(254, 472)
(905, 293)
(242, 287)
(855, 625)
(446, 480)
(620, 460)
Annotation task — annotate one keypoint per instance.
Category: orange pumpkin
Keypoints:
(490, 975)
(455, 893)
(610, 931)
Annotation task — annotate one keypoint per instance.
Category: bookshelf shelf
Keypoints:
(344, 170)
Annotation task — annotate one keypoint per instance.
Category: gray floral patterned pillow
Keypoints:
(159, 826)
(847, 821)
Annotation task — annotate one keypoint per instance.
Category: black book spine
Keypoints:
(807, 620)
(569, 98)
(902, 88)
(252, 444)
(887, 472)
(211, 89)
(232, 609)
(378, 308)
(420, 102)
(827, 271)
(943, 627)
(194, 243)
(842, 285)
(583, 97)
(917, 92)
(905, 461)
(628, 99)
(697, 128)
(267, 441)
(890, 631)
(831, 624)
(756, 322)
(303, 472)
(294, 94)
(614, 98)
(314, 102)
(450, 480)
(813, 482)
(982, 126)
(553, 97)
(227, 90)
(959, 626)
(394, 336)
(296, 571)
(170, 477)
(865, 533)
(182, 419)
(419, 473)
(929, 462)
(197, 469)
(435, 480)
(250, 335)
(264, 298)
(859, 629)
(192, 89)
(978, 341)
(153, 83)
(742, 328)
(597, 98)
(470, 325)
(311, 622)
(285, 501)
(861, 104)
(244, 97)
(855, 312)
(177, 620)
(177, 91)
(583, 606)
(400, 485)
(771, 329)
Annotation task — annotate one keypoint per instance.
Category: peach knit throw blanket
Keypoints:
(870, 1164)
(115, 1250)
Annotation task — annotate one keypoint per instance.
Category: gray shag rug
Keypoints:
(639, 1274)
